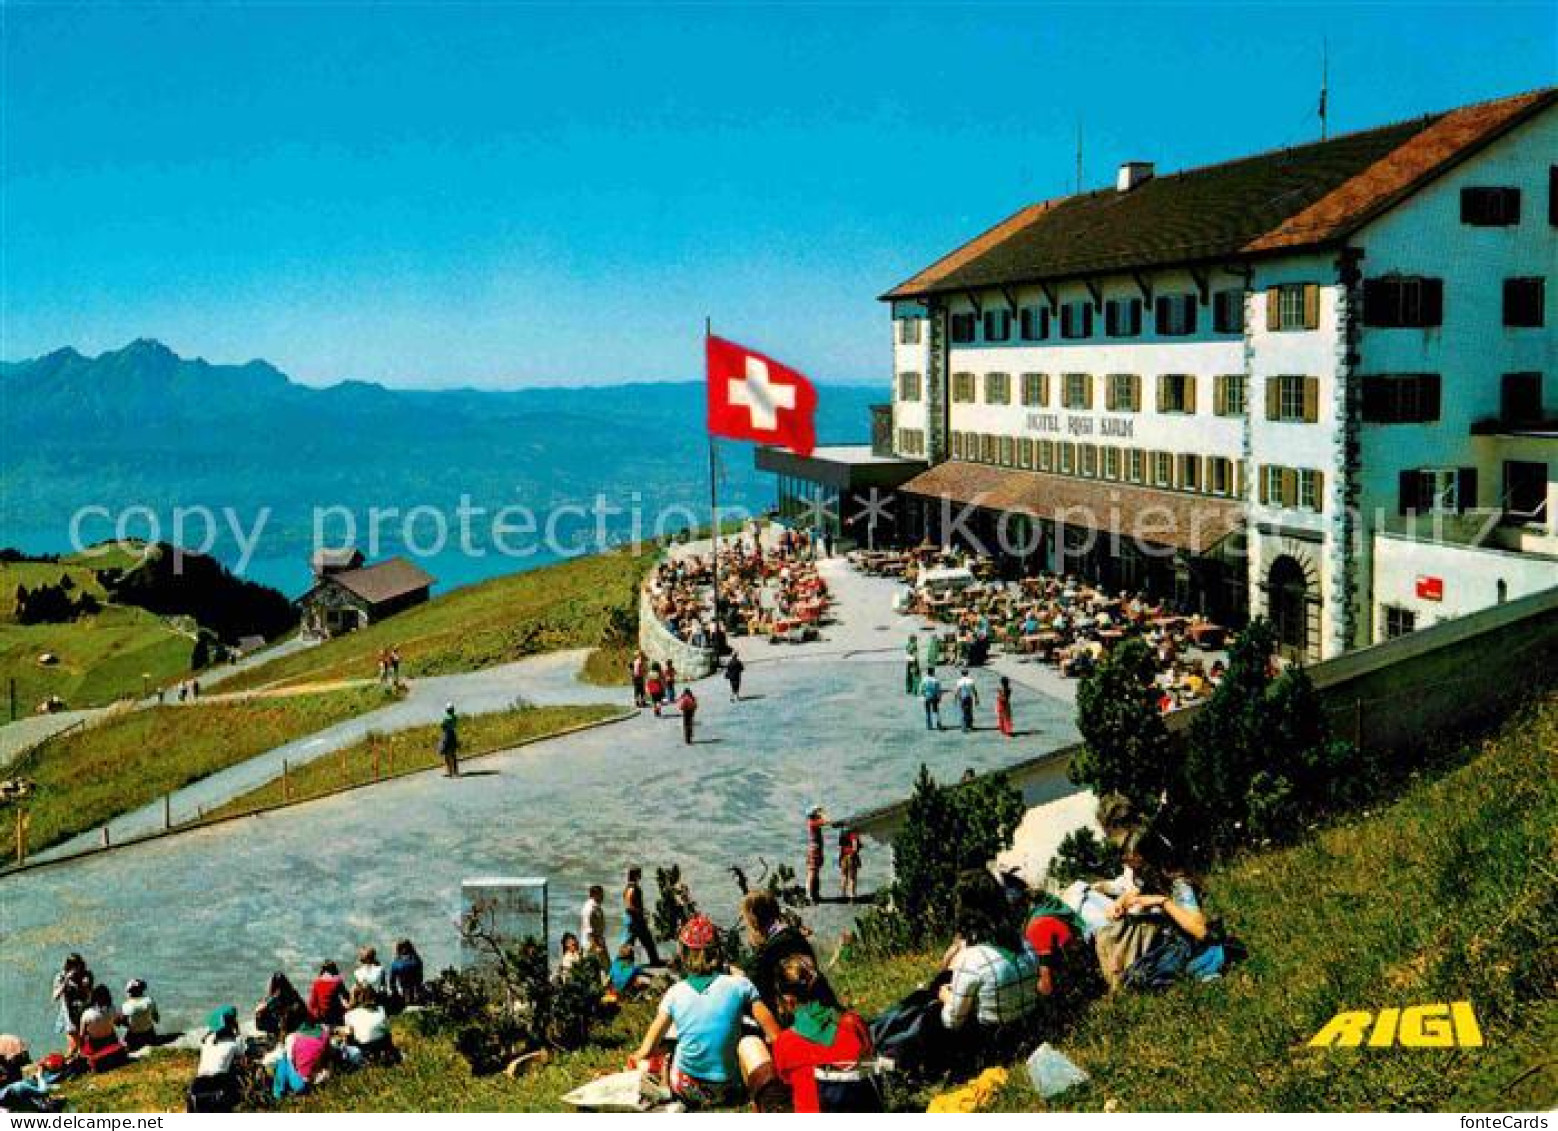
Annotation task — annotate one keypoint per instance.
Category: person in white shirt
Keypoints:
(368, 1027)
(139, 1016)
(592, 925)
(369, 973)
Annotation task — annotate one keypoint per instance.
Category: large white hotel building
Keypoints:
(1316, 384)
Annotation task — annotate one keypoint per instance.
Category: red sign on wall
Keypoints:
(1430, 588)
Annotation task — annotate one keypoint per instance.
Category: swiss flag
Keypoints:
(753, 397)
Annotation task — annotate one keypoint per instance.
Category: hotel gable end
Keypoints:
(1316, 384)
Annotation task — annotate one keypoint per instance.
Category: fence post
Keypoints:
(167, 811)
(343, 765)
(375, 761)
(105, 837)
(286, 781)
(21, 836)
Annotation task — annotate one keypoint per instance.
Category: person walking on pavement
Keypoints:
(449, 742)
(733, 669)
(687, 704)
(638, 669)
(967, 697)
(911, 666)
(668, 673)
(1003, 706)
(930, 691)
(635, 923)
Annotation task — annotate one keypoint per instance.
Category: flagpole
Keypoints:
(708, 332)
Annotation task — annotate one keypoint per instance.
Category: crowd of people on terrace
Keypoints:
(292, 1042)
(1056, 619)
(770, 591)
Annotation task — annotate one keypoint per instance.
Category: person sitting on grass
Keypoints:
(369, 973)
(282, 1009)
(773, 940)
(628, 978)
(405, 976)
(1052, 932)
(368, 1028)
(1159, 933)
(218, 1083)
(994, 990)
(572, 953)
(139, 1016)
(301, 1062)
(98, 1035)
(712, 1059)
(821, 1036)
(327, 996)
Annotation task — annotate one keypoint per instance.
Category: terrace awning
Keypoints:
(1194, 523)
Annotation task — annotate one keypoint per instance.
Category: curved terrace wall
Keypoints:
(659, 644)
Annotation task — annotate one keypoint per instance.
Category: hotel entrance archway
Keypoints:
(1287, 596)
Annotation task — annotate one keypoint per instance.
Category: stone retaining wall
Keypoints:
(658, 644)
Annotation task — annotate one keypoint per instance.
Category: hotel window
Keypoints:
(1087, 460)
(1525, 302)
(998, 388)
(1033, 323)
(1490, 207)
(1135, 465)
(1076, 319)
(1189, 473)
(1111, 463)
(1520, 398)
(956, 442)
(1228, 394)
(1046, 455)
(1068, 457)
(1437, 490)
(1176, 393)
(1309, 490)
(1175, 315)
(1025, 454)
(911, 442)
(1292, 399)
(987, 448)
(908, 386)
(1406, 398)
(1398, 621)
(963, 323)
(1219, 475)
(1273, 485)
(1293, 306)
(1228, 312)
(998, 325)
(1402, 300)
(1122, 318)
(909, 331)
(1078, 391)
(962, 388)
(1123, 393)
(1008, 451)
(1162, 469)
(1035, 390)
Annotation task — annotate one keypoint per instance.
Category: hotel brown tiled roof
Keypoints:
(1305, 196)
(1195, 523)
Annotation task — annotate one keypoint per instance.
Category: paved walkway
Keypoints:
(207, 915)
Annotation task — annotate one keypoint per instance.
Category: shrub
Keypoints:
(1084, 855)
(1127, 749)
(947, 830)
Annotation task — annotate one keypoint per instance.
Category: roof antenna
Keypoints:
(1325, 60)
(1079, 154)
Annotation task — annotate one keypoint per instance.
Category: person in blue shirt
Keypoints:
(930, 691)
(713, 1060)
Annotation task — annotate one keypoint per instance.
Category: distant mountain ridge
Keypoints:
(142, 426)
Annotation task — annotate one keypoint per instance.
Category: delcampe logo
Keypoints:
(1417, 1027)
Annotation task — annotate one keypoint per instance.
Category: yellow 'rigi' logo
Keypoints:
(1417, 1027)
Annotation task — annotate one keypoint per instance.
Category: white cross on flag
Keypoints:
(752, 397)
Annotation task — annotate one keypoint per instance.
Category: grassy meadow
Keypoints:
(101, 658)
(1447, 894)
(414, 749)
(585, 602)
(90, 776)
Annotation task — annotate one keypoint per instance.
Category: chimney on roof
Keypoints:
(1133, 174)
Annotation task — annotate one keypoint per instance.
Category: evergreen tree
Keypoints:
(1127, 748)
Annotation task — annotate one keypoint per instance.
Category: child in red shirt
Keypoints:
(820, 1036)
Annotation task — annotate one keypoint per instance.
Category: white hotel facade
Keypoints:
(1318, 385)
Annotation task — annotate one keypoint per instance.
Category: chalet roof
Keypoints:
(1196, 523)
(1306, 196)
(383, 581)
(344, 557)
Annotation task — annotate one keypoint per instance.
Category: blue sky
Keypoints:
(508, 194)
